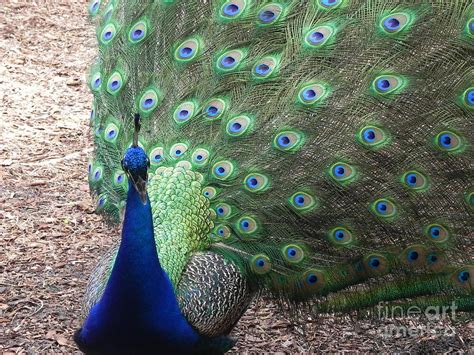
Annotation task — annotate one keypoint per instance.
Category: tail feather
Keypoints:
(331, 138)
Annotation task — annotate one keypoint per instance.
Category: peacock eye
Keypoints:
(200, 157)
(313, 279)
(256, 182)
(223, 170)
(138, 32)
(214, 109)
(437, 233)
(293, 253)
(264, 67)
(318, 36)
(178, 150)
(261, 264)
(230, 60)
(94, 7)
(96, 82)
(395, 23)
(342, 172)
(386, 84)
(238, 126)
(231, 10)
(115, 83)
(148, 101)
(223, 210)
(371, 136)
(288, 141)
(384, 208)
(330, 4)
(448, 141)
(156, 155)
(111, 132)
(184, 112)
(247, 225)
(302, 201)
(188, 50)
(376, 264)
(209, 192)
(222, 231)
(341, 236)
(108, 33)
(414, 180)
(312, 94)
(269, 14)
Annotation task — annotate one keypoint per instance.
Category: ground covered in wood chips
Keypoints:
(50, 237)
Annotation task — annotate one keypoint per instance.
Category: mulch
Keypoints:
(50, 236)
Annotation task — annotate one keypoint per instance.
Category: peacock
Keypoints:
(318, 151)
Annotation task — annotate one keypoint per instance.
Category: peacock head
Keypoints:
(136, 163)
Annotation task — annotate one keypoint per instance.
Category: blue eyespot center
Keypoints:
(445, 140)
(97, 82)
(212, 111)
(183, 114)
(262, 69)
(316, 37)
(220, 170)
(383, 84)
(339, 171)
(157, 157)
(382, 207)
(120, 178)
(178, 152)
(199, 157)
(374, 263)
(260, 262)
(309, 94)
(291, 252)
(236, 127)
(111, 134)
(252, 182)
(299, 200)
(267, 16)
(369, 135)
(391, 23)
(435, 232)
(432, 258)
(186, 52)
(339, 235)
(245, 224)
(228, 61)
(114, 84)
(284, 141)
(137, 34)
(411, 179)
(108, 35)
(413, 255)
(220, 210)
(470, 93)
(148, 103)
(231, 9)
(464, 276)
(312, 279)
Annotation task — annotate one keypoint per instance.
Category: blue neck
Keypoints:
(138, 304)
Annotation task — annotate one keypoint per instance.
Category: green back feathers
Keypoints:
(331, 138)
